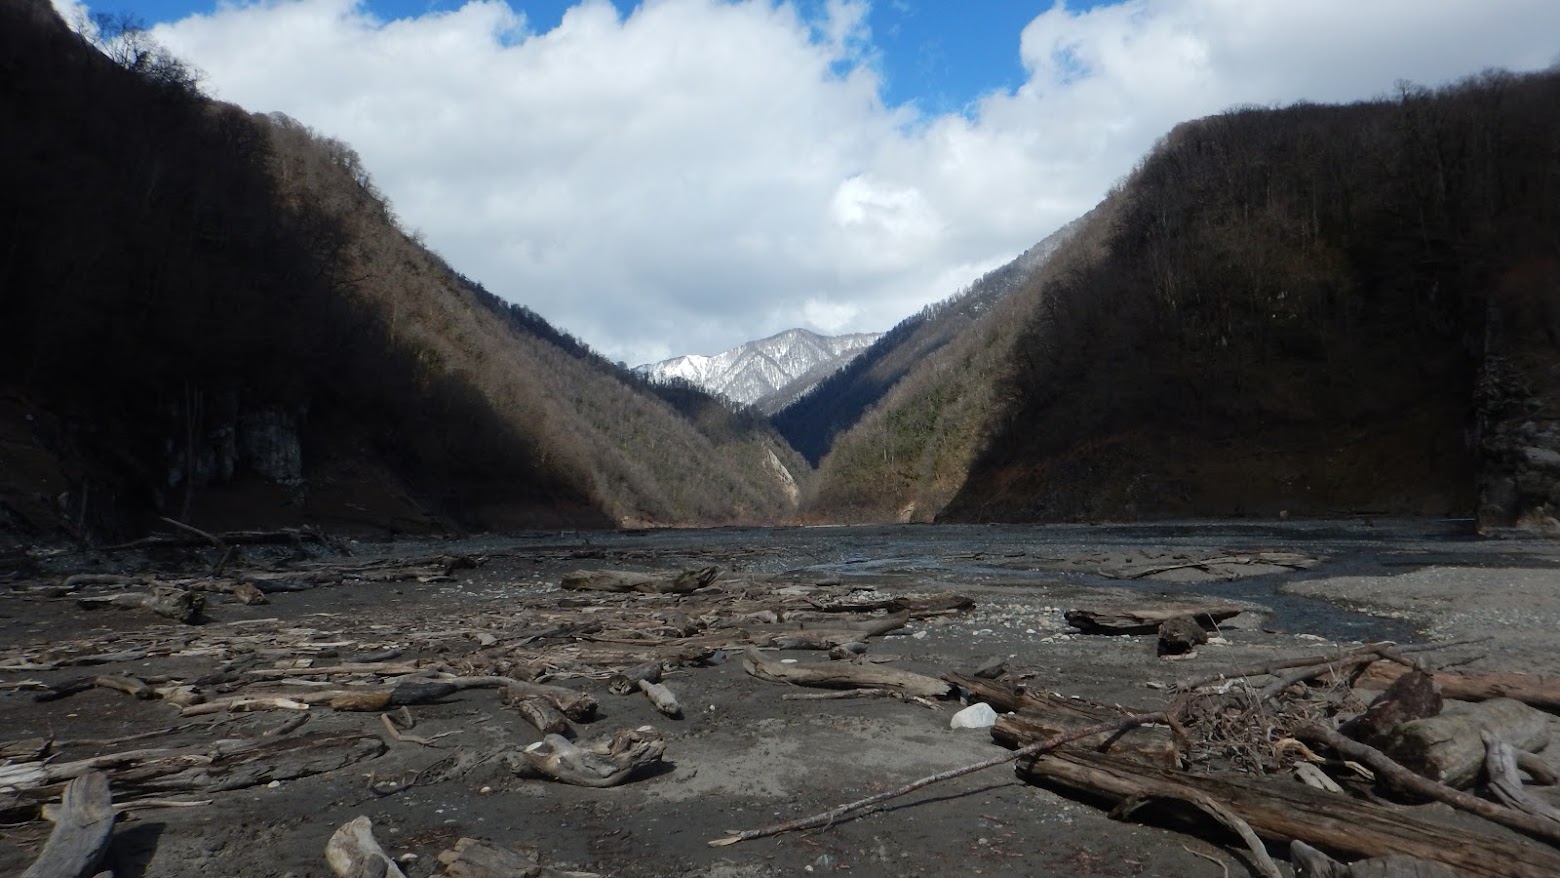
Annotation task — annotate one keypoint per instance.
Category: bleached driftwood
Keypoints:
(603, 764)
(843, 675)
(1450, 748)
(645, 583)
(83, 826)
(1284, 812)
(1312, 863)
(352, 852)
(662, 698)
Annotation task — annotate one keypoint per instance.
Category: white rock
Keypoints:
(976, 716)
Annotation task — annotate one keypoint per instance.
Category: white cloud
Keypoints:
(702, 173)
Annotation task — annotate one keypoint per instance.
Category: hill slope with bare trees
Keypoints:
(1319, 310)
(214, 316)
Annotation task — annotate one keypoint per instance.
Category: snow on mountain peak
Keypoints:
(749, 373)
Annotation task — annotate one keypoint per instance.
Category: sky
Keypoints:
(680, 176)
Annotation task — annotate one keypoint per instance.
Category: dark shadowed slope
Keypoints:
(1315, 309)
(836, 403)
(214, 316)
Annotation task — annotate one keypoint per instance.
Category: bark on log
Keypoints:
(1411, 697)
(1281, 812)
(1147, 619)
(1449, 748)
(607, 764)
(662, 698)
(1541, 692)
(843, 675)
(352, 852)
(83, 826)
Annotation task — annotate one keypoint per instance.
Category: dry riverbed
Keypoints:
(741, 755)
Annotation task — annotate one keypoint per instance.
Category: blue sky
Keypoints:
(687, 175)
(940, 53)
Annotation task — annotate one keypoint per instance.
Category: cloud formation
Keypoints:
(700, 173)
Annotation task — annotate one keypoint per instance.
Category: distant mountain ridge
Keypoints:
(776, 369)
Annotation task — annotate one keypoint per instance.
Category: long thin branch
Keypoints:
(1272, 668)
(1408, 781)
(829, 817)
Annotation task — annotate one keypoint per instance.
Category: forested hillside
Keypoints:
(836, 403)
(1311, 309)
(214, 316)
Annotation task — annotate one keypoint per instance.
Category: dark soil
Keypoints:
(742, 757)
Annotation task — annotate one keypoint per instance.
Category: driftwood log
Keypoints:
(645, 583)
(1400, 778)
(547, 719)
(1312, 863)
(470, 858)
(662, 698)
(1541, 692)
(1282, 812)
(1449, 748)
(1147, 619)
(843, 675)
(178, 604)
(1034, 716)
(352, 852)
(578, 706)
(627, 683)
(83, 826)
(604, 764)
(1412, 696)
(1500, 769)
(233, 765)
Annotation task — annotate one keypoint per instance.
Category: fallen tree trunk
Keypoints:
(1449, 748)
(843, 675)
(1282, 812)
(1541, 692)
(1408, 782)
(173, 603)
(645, 583)
(83, 827)
(1147, 619)
(235, 765)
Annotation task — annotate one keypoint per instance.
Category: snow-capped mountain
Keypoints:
(752, 373)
